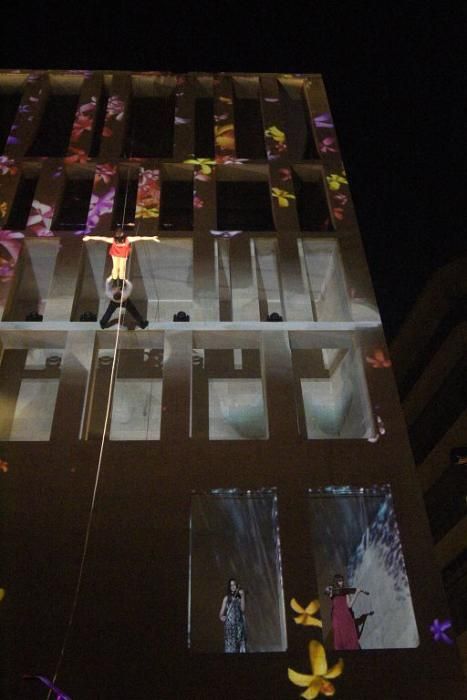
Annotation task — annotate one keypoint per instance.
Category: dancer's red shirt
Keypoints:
(120, 250)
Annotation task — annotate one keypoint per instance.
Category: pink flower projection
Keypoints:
(10, 242)
(115, 112)
(40, 218)
(327, 145)
(76, 155)
(149, 194)
(378, 359)
(7, 166)
(104, 173)
(83, 119)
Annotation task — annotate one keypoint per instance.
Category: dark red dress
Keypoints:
(343, 624)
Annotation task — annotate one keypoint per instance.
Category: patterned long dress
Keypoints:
(234, 627)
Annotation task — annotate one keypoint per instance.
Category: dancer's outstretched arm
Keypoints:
(132, 239)
(106, 239)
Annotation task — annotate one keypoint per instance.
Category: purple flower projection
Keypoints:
(59, 694)
(438, 629)
(323, 121)
(100, 206)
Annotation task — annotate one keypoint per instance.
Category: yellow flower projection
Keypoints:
(305, 615)
(143, 212)
(2, 594)
(276, 134)
(203, 163)
(282, 196)
(3, 208)
(335, 181)
(319, 680)
(225, 138)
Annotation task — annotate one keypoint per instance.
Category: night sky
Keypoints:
(395, 78)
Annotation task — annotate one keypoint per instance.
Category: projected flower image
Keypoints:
(149, 194)
(203, 169)
(438, 629)
(225, 137)
(306, 615)
(319, 681)
(335, 180)
(356, 539)
(282, 196)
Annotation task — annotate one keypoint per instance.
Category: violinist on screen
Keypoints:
(343, 623)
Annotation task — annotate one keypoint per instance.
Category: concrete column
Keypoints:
(62, 290)
(116, 118)
(245, 303)
(184, 139)
(176, 387)
(74, 376)
(279, 385)
(33, 101)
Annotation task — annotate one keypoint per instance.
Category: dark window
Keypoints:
(176, 205)
(150, 130)
(9, 103)
(312, 206)
(19, 212)
(441, 412)
(446, 500)
(455, 584)
(74, 207)
(455, 315)
(204, 127)
(98, 126)
(244, 206)
(54, 131)
(249, 137)
(296, 117)
(125, 204)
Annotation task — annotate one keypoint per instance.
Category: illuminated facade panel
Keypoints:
(261, 376)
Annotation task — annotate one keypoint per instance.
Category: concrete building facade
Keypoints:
(253, 430)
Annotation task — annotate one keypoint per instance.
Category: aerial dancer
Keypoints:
(120, 297)
(119, 251)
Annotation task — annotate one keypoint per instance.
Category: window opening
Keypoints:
(235, 534)
(355, 535)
